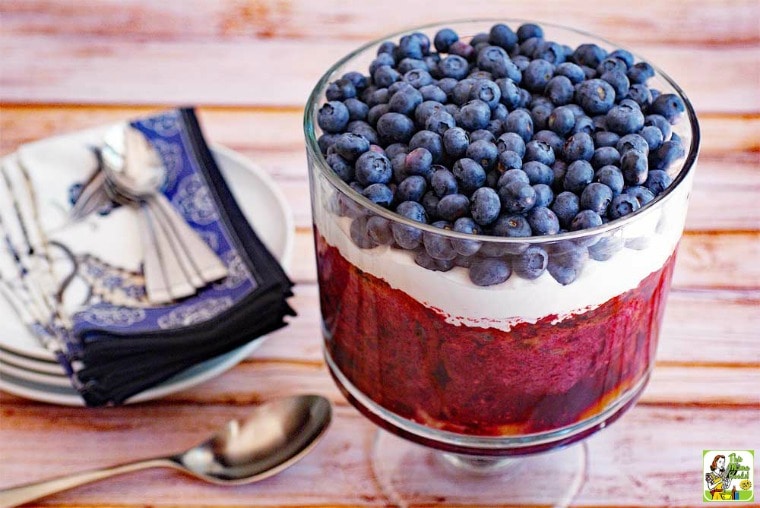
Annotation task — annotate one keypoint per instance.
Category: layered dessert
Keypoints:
(496, 226)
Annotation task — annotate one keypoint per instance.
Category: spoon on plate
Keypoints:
(276, 435)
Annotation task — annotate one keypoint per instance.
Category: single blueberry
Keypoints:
(439, 246)
(612, 177)
(444, 182)
(463, 49)
(409, 237)
(640, 94)
(544, 194)
(340, 166)
(512, 142)
(657, 181)
(605, 248)
(661, 123)
(489, 271)
(551, 138)
(503, 36)
(412, 188)
(517, 197)
(430, 204)
(350, 146)
(483, 152)
(669, 152)
(387, 47)
(512, 175)
(454, 66)
(430, 141)
(632, 142)
(474, 115)
(395, 127)
(618, 81)
(595, 96)
(550, 51)
(623, 55)
(455, 142)
(560, 90)
(418, 77)
(357, 110)
(485, 206)
(605, 138)
(589, 54)
(509, 92)
(605, 156)
(653, 137)
(512, 226)
(532, 263)
(375, 112)
(372, 167)
(540, 152)
(538, 172)
(528, 31)
(540, 116)
(668, 105)
(640, 193)
(579, 146)
(340, 90)
(470, 227)
(584, 124)
(333, 117)
(621, 205)
(596, 197)
(418, 162)
(520, 122)
(444, 38)
(325, 141)
(624, 119)
(469, 173)
(385, 75)
(571, 71)
(453, 206)
(542, 221)
(566, 261)
(487, 91)
(405, 101)
(579, 174)
(379, 193)
(566, 206)
(640, 72)
(409, 46)
(537, 75)
(611, 64)
(379, 230)
(482, 135)
(394, 149)
(492, 58)
(635, 167)
(359, 234)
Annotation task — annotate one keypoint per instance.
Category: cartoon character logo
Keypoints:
(717, 479)
(728, 475)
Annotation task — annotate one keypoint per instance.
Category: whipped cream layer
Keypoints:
(459, 301)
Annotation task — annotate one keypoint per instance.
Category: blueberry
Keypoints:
(554, 140)
(454, 66)
(511, 141)
(605, 156)
(657, 181)
(611, 64)
(340, 90)
(525, 98)
(510, 92)
(470, 227)
(512, 175)
(596, 197)
(622, 205)
(550, 51)
(669, 152)
(640, 193)
(359, 80)
(528, 31)
(520, 122)
(350, 146)
(529, 46)
(537, 75)
(430, 203)
(357, 110)
(379, 230)
(365, 130)
(375, 112)
(455, 142)
(395, 149)
(612, 177)
(517, 197)
(395, 127)
(493, 59)
(669, 106)
(485, 206)
(571, 71)
(418, 77)
(487, 91)
(409, 46)
(379, 193)
(418, 162)
(605, 138)
(584, 124)
(409, 237)
(412, 188)
(503, 36)
(469, 173)
(632, 142)
(589, 54)
(326, 140)
(433, 93)
(635, 167)
(427, 109)
(438, 246)
(489, 271)
(542, 221)
(444, 182)
(532, 263)
(372, 167)
(544, 194)
(560, 90)
(333, 116)
(579, 146)
(653, 137)
(482, 135)
(640, 94)
(444, 38)
(387, 47)
(538, 173)
(540, 152)
(579, 174)
(423, 259)
(595, 96)
(483, 152)
(639, 73)
(559, 168)
(385, 75)
(624, 119)
(340, 166)
(430, 141)
(540, 115)
(618, 81)
(566, 261)
(512, 226)
(359, 234)
(566, 206)
(605, 248)
(405, 101)
(474, 115)
(623, 55)
(453, 206)
(382, 60)
(398, 167)
(661, 123)
(461, 48)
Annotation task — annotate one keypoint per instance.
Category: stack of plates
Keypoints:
(29, 370)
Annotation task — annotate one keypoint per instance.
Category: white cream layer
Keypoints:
(459, 301)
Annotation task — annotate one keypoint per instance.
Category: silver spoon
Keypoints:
(275, 436)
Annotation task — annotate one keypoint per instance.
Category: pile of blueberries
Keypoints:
(510, 135)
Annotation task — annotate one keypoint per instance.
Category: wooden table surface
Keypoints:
(249, 66)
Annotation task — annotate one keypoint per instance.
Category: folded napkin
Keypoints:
(117, 346)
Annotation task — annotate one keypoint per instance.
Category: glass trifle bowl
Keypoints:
(496, 231)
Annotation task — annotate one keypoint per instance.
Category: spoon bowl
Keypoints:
(273, 437)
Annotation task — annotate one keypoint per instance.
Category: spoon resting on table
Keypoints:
(276, 435)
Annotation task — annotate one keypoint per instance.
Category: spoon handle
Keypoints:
(15, 496)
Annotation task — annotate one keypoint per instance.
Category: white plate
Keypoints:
(266, 209)
(24, 362)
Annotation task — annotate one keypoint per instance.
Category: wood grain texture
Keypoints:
(248, 66)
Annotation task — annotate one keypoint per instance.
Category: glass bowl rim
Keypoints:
(316, 157)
